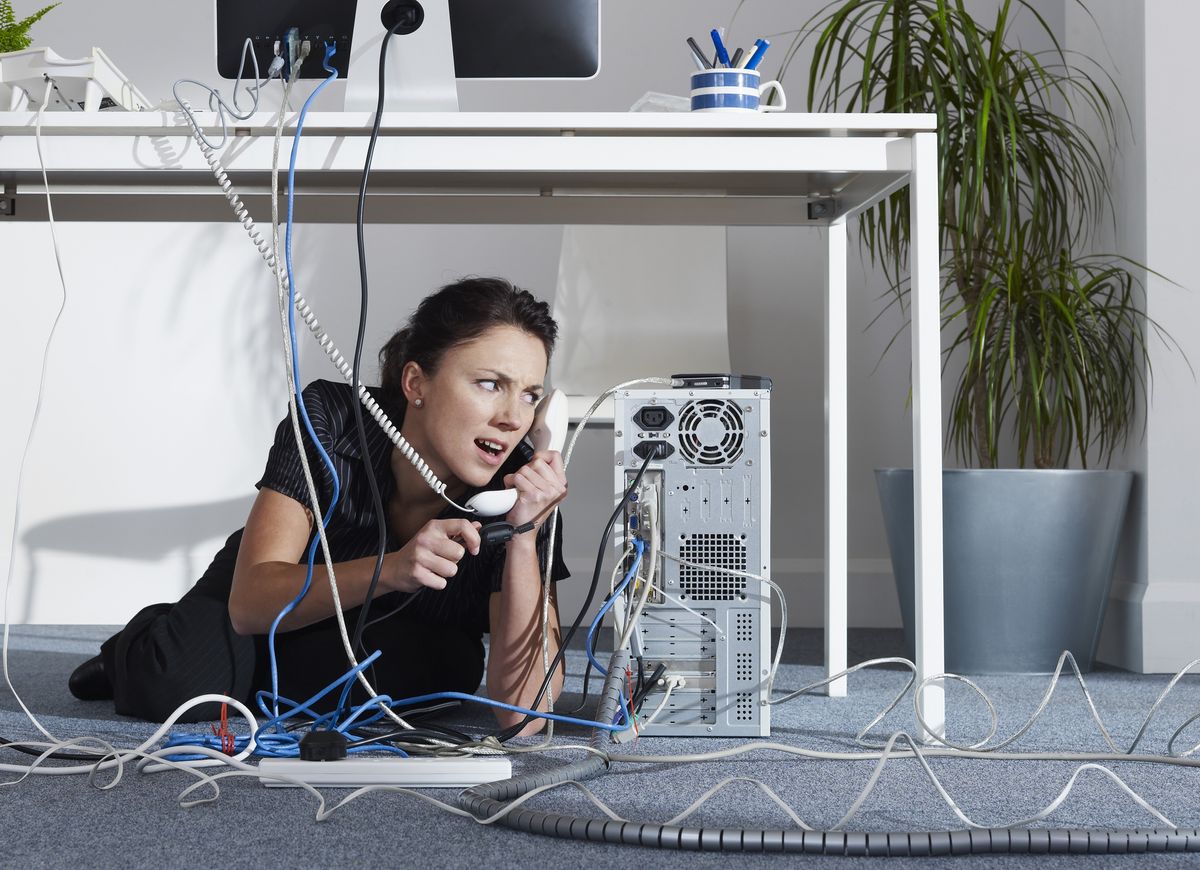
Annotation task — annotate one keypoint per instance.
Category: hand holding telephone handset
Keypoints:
(548, 432)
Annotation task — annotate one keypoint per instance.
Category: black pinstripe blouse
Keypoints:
(352, 532)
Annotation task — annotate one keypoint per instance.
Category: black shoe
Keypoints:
(89, 682)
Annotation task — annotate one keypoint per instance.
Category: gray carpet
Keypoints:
(65, 821)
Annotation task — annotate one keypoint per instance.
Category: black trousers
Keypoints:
(170, 653)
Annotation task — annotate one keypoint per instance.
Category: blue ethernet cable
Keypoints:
(479, 699)
(286, 745)
(330, 49)
(382, 699)
(627, 720)
(278, 744)
(639, 547)
(306, 706)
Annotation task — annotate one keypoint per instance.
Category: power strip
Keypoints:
(410, 772)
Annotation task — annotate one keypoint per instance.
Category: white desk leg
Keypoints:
(927, 426)
(835, 458)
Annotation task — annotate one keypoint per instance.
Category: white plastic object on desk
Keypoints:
(79, 83)
(548, 432)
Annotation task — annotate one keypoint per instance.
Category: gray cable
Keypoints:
(217, 103)
(490, 801)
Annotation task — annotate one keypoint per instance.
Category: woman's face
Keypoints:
(478, 404)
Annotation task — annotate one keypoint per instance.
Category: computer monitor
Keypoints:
(478, 39)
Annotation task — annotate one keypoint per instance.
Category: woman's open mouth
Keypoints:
(491, 451)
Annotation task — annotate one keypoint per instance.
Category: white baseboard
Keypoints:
(873, 602)
(1151, 628)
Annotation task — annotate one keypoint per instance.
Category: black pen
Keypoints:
(733, 61)
(698, 55)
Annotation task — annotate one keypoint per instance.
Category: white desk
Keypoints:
(618, 168)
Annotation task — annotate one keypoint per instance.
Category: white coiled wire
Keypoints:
(306, 313)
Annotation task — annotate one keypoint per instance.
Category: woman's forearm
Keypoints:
(266, 588)
(514, 667)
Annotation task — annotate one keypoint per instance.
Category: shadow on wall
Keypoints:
(148, 534)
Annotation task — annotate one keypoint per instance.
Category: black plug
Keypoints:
(323, 746)
(502, 532)
(402, 16)
(647, 687)
(496, 533)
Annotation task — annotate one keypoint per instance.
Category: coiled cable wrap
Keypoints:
(489, 799)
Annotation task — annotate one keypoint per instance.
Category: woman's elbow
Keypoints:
(242, 617)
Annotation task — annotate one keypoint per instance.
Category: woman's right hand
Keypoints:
(432, 555)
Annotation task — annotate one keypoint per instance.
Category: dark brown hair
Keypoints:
(458, 313)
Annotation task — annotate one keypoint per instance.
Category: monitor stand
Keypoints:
(420, 64)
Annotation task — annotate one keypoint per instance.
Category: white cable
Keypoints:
(865, 792)
(774, 796)
(672, 683)
(977, 750)
(293, 412)
(222, 107)
(270, 256)
(553, 532)
(683, 605)
(305, 311)
(324, 811)
(648, 582)
(120, 756)
(766, 582)
(55, 742)
(1065, 657)
(37, 410)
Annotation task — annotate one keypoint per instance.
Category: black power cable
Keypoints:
(512, 731)
(376, 499)
(646, 687)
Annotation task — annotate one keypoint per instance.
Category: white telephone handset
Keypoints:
(548, 432)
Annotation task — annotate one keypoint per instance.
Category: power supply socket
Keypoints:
(408, 772)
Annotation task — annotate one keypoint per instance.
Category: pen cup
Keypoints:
(735, 90)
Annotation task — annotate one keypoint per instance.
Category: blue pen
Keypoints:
(722, 54)
(756, 58)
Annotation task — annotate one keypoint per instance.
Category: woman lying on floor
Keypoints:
(460, 381)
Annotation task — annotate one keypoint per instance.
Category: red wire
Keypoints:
(228, 745)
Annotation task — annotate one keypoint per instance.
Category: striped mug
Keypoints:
(735, 90)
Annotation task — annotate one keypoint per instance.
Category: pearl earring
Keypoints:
(418, 402)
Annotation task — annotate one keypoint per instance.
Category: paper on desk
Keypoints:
(655, 101)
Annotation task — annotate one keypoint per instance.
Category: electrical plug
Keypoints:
(323, 746)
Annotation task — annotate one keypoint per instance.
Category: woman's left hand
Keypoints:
(540, 484)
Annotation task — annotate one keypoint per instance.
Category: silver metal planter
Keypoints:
(1028, 561)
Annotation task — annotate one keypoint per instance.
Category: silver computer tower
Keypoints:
(710, 478)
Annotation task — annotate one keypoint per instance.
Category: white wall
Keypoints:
(1156, 597)
(1171, 605)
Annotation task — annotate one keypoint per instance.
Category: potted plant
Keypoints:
(1047, 341)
